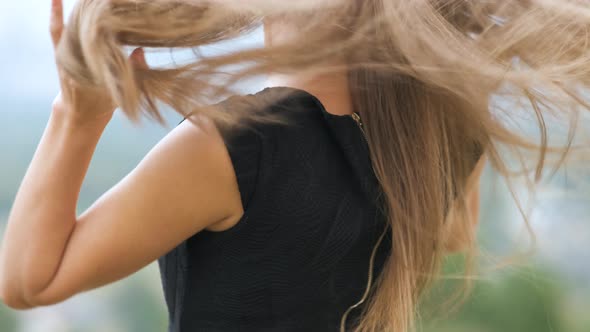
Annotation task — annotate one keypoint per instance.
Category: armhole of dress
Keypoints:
(245, 148)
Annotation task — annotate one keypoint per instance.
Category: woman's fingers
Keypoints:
(137, 57)
(56, 25)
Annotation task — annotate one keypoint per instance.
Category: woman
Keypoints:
(326, 203)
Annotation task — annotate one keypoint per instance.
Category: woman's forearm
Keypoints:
(44, 212)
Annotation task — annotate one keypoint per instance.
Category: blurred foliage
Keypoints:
(8, 320)
(142, 310)
(518, 299)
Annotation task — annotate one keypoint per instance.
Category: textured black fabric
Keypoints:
(299, 256)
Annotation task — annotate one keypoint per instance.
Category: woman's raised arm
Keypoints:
(184, 185)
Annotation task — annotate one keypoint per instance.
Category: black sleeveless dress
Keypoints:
(299, 257)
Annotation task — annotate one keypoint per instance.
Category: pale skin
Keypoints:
(184, 185)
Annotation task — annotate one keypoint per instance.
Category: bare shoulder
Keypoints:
(198, 147)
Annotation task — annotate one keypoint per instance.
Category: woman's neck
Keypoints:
(331, 89)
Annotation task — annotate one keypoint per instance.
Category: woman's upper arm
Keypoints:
(184, 185)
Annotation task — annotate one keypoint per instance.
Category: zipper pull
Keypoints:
(357, 118)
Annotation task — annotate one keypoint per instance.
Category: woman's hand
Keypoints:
(82, 104)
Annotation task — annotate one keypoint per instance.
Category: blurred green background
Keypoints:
(548, 290)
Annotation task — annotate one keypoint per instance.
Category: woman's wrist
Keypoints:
(76, 120)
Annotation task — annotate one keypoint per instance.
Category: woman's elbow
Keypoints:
(16, 301)
(18, 298)
(13, 298)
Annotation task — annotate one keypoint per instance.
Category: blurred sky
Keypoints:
(26, 52)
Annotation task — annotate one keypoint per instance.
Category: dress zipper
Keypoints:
(357, 118)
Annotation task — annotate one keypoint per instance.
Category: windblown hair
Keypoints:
(425, 76)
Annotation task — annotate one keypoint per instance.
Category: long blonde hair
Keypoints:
(424, 75)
